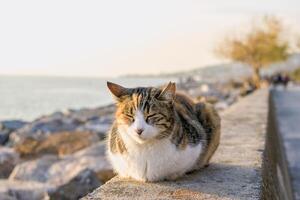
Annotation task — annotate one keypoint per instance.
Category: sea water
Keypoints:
(28, 97)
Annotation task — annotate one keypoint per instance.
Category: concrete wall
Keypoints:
(281, 171)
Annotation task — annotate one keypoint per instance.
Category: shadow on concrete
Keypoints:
(218, 181)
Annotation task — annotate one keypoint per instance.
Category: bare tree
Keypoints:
(261, 46)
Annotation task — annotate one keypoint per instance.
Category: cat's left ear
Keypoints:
(168, 93)
(117, 90)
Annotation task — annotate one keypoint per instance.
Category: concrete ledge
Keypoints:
(281, 172)
(235, 171)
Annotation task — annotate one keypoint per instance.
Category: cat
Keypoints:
(160, 134)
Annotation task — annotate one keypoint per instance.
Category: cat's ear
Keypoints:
(168, 93)
(117, 90)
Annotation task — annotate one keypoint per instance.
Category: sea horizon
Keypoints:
(29, 97)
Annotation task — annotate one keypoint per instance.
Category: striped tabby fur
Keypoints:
(160, 134)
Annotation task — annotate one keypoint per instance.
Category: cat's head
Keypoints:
(144, 113)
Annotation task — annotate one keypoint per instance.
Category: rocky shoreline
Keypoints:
(62, 155)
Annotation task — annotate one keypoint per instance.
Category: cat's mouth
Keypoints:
(142, 139)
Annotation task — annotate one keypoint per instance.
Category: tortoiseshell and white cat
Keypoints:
(159, 134)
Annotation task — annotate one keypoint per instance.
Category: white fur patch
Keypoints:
(152, 160)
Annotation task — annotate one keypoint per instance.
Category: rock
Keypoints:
(35, 170)
(8, 159)
(6, 197)
(12, 125)
(95, 159)
(96, 120)
(7, 127)
(60, 144)
(98, 126)
(85, 182)
(68, 177)
(4, 136)
(23, 190)
(105, 175)
(55, 115)
(57, 171)
(92, 158)
(91, 114)
(42, 128)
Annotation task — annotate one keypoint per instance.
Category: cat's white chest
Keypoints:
(155, 161)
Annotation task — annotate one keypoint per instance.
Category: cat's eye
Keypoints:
(128, 115)
(149, 117)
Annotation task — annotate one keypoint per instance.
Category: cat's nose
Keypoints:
(139, 131)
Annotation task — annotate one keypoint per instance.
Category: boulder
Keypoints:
(23, 190)
(99, 126)
(97, 120)
(34, 170)
(96, 160)
(4, 136)
(12, 125)
(60, 144)
(105, 175)
(92, 158)
(69, 177)
(8, 159)
(42, 128)
(59, 171)
(6, 197)
(7, 127)
(85, 182)
(85, 114)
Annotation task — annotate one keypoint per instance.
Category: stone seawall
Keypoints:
(281, 171)
(234, 172)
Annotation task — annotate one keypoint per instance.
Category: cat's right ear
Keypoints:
(168, 93)
(117, 90)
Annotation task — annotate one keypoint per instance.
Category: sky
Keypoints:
(111, 38)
